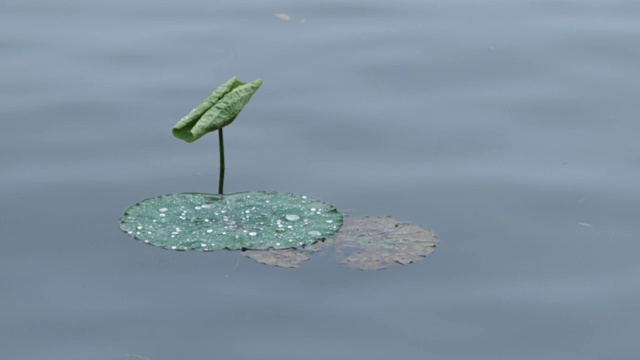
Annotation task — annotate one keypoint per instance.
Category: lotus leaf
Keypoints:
(250, 220)
(366, 243)
(289, 258)
(216, 111)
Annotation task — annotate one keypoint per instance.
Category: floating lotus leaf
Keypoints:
(376, 242)
(216, 111)
(289, 258)
(366, 243)
(250, 220)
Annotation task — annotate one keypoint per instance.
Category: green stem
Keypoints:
(221, 179)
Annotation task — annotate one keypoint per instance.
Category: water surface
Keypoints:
(509, 128)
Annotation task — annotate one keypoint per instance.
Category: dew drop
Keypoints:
(173, 248)
(304, 196)
(139, 227)
(209, 230)
(313, 209)
(314, 233)
(203, 245)
(253, 233)
(206, 206)
(277, 244)
(292, 217)
(206, 220)
(163, 209)
(163, 215)
(329, 221)
(198, 208)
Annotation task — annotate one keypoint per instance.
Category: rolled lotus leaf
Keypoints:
(216, 111)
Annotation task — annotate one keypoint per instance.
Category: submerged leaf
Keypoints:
(216, 111)
(290, 258)
(284, 258)
(251, 220)
(377, 242)
(366, 243)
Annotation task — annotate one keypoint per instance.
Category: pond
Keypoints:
(509, 128)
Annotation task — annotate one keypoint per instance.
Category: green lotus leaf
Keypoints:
(216, 111)
(250, 220)
(366, 243)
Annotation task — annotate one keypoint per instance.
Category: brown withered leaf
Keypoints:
(366, 243)
(290, 258)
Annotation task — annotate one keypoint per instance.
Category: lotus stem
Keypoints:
(221, 144)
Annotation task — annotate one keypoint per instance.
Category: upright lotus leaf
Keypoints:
(366, 243)
(251, 220)
(216, 111)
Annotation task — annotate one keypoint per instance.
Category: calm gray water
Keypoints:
(508, 127)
